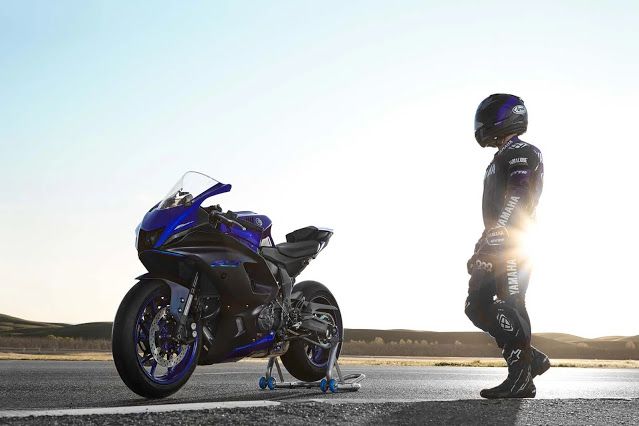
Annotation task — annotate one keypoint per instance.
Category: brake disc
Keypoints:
(175, 354)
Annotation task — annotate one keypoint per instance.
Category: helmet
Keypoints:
(499, 115)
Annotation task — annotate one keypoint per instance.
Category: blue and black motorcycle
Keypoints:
(217, 290)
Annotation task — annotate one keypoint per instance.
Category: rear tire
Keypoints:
(302, 359)
(131, 343)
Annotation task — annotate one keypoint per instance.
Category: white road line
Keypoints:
(338, 401)
(138, 409)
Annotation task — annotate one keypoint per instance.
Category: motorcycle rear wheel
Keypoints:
(147, 359)
(304, 360)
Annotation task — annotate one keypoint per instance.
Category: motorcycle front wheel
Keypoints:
(147, 357)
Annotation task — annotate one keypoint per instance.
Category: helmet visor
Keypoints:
(493, 111)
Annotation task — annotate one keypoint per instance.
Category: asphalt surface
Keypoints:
(388, 395)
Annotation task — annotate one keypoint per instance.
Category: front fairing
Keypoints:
(165, 219)
(167, 222)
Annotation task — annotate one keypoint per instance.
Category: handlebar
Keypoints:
(229, 218)
(227, 221)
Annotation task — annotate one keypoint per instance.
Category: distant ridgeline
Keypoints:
(357, 341)
(16, 327)
(477, 344)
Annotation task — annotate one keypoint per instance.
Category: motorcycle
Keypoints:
(217, 290)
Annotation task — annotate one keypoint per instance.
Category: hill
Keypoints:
(431, 343)
(9, 324)
(379, 342)
(18, 327)
(563, 337)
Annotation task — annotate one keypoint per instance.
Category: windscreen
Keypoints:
(188, 187)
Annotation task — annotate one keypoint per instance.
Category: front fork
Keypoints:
(181, 303)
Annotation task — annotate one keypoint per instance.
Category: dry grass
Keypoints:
(48, 344)
(360, 360)
(480, 362)
(596, 363)
(71, 356)
(422, 361)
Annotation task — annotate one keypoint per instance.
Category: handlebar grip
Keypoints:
(249, 225)
(229, 218)
(222, 218)
(245, 223)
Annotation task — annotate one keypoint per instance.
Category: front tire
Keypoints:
(149, 362)
(304, 360)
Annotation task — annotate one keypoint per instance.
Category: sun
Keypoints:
(530, 242)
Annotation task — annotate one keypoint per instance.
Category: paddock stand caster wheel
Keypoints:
(349, 382)
(271, 383)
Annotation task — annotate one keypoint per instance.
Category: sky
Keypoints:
(352, 115)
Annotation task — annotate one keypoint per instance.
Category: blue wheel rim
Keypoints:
(141, 335)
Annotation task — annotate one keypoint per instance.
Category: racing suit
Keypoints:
(499, 267)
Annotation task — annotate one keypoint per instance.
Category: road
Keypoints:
(34, 385)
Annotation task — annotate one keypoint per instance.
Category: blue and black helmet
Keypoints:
(499, 115)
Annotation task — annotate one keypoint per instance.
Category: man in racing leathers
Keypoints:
(499, 268)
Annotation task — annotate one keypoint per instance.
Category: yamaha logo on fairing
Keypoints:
(519, 109)
(258, 221)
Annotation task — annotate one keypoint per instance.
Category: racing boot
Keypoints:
(540, 362)
(519, 383)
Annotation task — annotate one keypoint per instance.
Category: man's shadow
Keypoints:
(466, 412)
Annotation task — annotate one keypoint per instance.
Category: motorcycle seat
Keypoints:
(292, 256)
(300, 246)
(299, 249)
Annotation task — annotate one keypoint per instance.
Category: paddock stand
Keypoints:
(349, 382)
